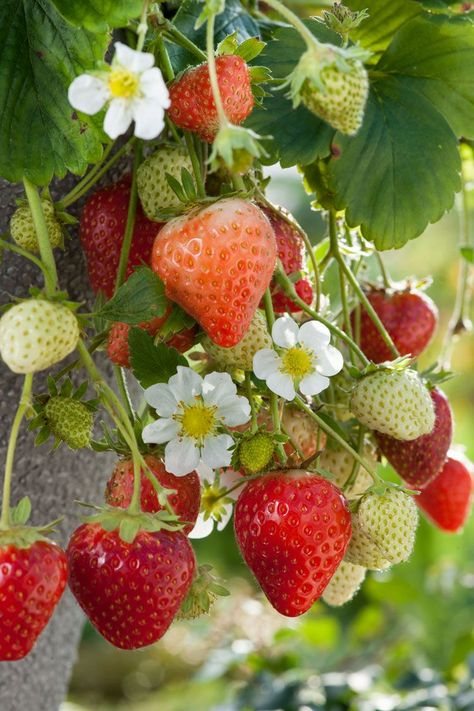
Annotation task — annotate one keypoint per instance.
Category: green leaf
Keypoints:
(385, 18)
(40, 54)
(436, 55)
(21, 513)
(401, 170)
(152, 363)
(178, 320)
(140, 298)
(467, 253)
(99, 15)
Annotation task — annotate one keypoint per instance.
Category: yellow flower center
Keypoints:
(297, 362)
(123, 83)
(212, 501)
(197, 420)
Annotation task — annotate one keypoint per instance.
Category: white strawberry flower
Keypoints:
(133, 88)
(193, 412)
(216, 505)
(304, 359)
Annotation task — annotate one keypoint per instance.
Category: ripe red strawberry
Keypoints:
(410, 318)
(419, 460)
(131, 592)
(185, 502)
(102, 229)
(447, 499)
(192, 104)
(293, 529)
(32, 581)
(282, 303)
(216, 263)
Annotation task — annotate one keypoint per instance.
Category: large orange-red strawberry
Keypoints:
(419, 460)
(117, 341)
(102, 229)
(130, 592)
(32, 580)
(185, 502)
(447, 499)
(192, 104)
(293, 529)
(216, 263)
(410, 318)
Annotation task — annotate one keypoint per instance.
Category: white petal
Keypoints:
(282, 385)
(314, 384)
(149, 118)
(234, 413)
(329, 361)
(205, 472)
(131, 59)
(160, 431)
(118, 118)
(185, 385)
(152, 86)
(314, 335)
(162, 399)
(215, 452)
(218, 388)
(229, 478)
(266, 362)
(202, 528)
(285, 332)
(88, 94)
(225, 517)
(181, 456)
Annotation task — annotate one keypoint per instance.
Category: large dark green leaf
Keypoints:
(401, 170)
(98, 15)
(152, 363)
(40, 54)
(140, 298)
(385, 18)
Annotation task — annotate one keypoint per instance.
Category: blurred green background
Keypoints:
(405, 642)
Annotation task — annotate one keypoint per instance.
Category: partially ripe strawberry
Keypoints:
(292, 528)
(130, 592)
(154, 191)
(419, 460)
(192, 103)
(344, 584)
(185, 502)
(410, 318)
(390, 520)
(117, 341)
(447, 498)
(23, 231)
(241, 355)
(216, 263)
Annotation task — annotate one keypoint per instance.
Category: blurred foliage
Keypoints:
(407, 640)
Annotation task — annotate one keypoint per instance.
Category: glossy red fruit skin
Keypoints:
(102, 229)
(130, 591)
(410, 318)
(185, 502)
(447, 499)
(420, 460)
(293, 529)
(216, 263)
(282, 303)
(32, 581)
(192, 103)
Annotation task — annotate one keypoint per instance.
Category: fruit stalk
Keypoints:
(295, 21)
(183, 41)
(47, 257)
(121, 380)
(22, 407)
(356, 466)
(211, 62)
(130, 224)
(269, 313)
(142, 27)
(249, 394)
(23, 253)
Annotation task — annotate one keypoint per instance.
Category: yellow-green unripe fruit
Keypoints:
(154, 190)
(23, 232)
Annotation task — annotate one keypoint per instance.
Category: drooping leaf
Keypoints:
(140, 298)
(40, 54)
(99, 15)
(385, 18)
(152, 363)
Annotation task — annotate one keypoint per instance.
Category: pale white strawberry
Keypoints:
(344, 584)
(241, 355)
(339, 463)
(390, 520)
(363, 550)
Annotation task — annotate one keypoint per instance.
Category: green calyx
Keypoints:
(236, 147)
(255, 452)
(129, 524)
(204, 591)
(18, 534)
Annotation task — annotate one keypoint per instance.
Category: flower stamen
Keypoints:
(197, 420)
(123, 83)
(297, 362)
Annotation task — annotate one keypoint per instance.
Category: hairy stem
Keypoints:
(46, 251)
(270, 314)
(295, 21)
(23, 253)
(130, 224)
(142, 27)
(183, 41)
(211, 63)
(250, 398)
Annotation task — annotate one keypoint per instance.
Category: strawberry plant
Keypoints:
(275, 375)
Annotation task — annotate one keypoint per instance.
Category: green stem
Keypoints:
(135, 503)
(269, 313)
(183, 41)
(46, 251)
(211, 63)
(196, 163)
(164, 59)
(294, 20)
(276, 420)
(142, 27)
(238, 182)
(314, 264)
(94, 345)
(88, 178)
(250, 398)
(356, 466)
(383, 271)
(130, 224)
(121, 381)
(7, 482)
(23, 253)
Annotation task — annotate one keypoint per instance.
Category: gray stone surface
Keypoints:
(53, 482)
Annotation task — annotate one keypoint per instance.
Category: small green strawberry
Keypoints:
(395, 402)
(156, 195)
(255, 451)
(344, 584)
(364, 551)
(241, 355)
(36, 334)
(390, 520)
(339, 463)
(23, 232)
(69, 420)
(204, 591)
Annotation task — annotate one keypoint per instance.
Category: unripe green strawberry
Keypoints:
(23, 232)
(36, 334)
(394, 402)
(344, 584)
(339, 462)
(69, 420)
(362, 550)
(256, 452)
(390, 520)
(241, 355)
(154, 190)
